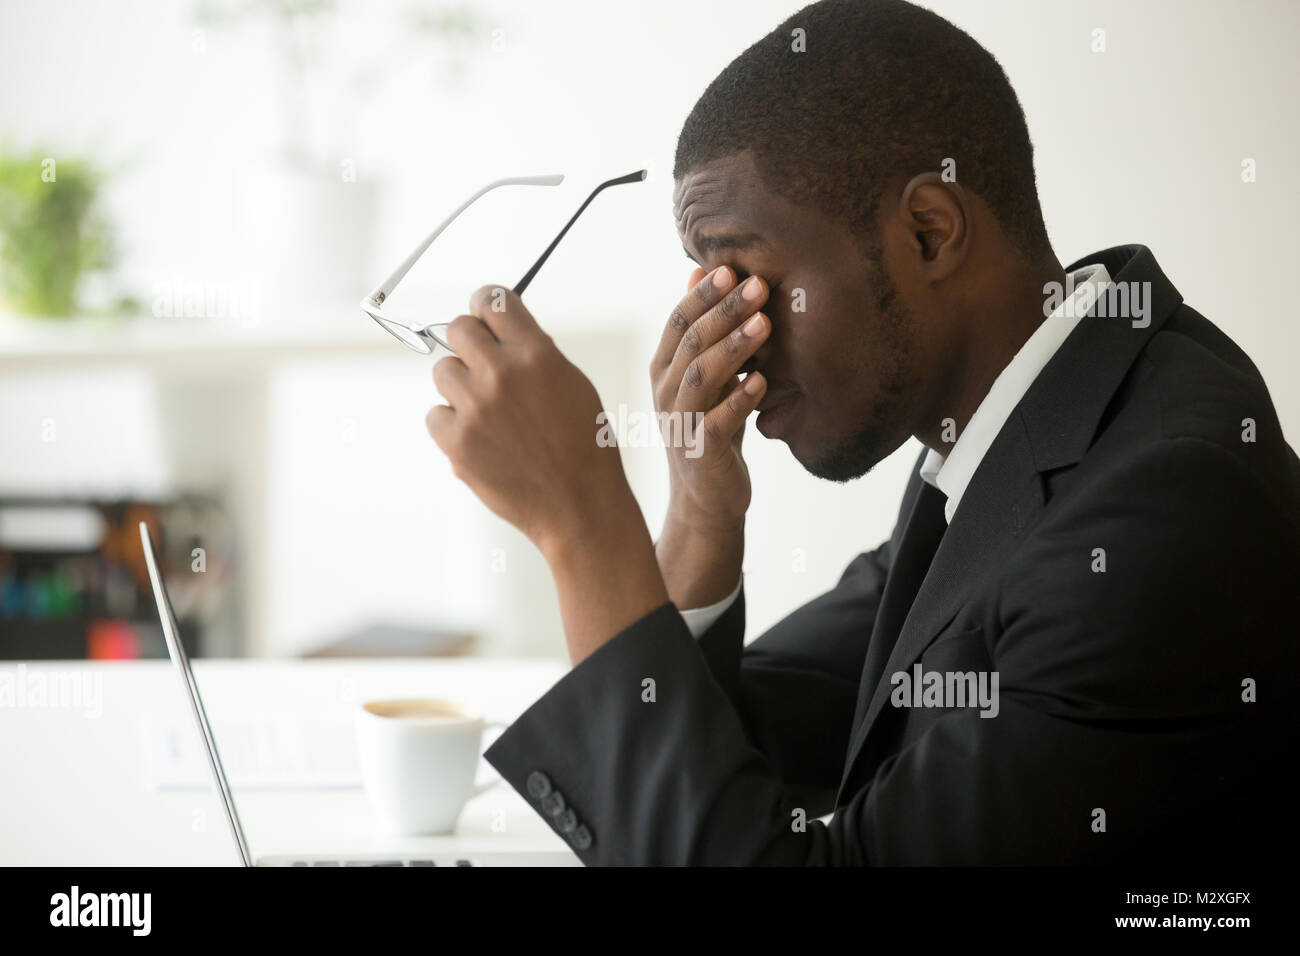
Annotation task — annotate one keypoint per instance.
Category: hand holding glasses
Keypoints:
(423, 338)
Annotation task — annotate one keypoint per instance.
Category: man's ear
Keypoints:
(935, 215)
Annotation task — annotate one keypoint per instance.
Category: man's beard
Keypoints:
(875, 440)
(853, 458)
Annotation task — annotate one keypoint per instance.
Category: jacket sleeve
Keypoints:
(782, 707)
(795, 687)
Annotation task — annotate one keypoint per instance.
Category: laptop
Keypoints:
(434, 858)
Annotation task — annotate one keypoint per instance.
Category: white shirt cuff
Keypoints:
(700, 619)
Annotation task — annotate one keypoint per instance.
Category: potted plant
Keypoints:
(52, 231)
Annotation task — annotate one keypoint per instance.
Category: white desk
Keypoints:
(74, 791)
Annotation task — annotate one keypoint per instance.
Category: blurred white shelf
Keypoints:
(183, 344)
(211, 394)
(210, 348)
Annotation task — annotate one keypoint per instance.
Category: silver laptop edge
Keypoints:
(173, 636)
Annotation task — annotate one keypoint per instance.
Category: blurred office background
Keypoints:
(230, 177)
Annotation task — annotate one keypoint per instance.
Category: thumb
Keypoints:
(502, 311)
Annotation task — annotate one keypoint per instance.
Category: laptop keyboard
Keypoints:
(461, 862)
(463, 856)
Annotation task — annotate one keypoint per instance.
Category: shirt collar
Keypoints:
(953, 472)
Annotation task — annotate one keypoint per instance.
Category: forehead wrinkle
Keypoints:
(702, 199)
(700, 179)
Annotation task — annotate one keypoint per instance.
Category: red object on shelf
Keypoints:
(108, 640)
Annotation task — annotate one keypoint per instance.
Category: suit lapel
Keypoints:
(1051, 427)
(1003, 498)
(913, 554)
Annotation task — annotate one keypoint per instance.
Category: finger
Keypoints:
(451, 378)
(694, 304)
(440, 420)
(718, 322)
(722, 423)
(736, 382)
(503, 312)
(697, 274)
(708, 372)
(471, 339)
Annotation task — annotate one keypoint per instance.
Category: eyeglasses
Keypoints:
(424, 338)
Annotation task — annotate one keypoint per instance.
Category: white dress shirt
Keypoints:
(953, 472)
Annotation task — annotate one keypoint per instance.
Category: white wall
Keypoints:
(1142, 143)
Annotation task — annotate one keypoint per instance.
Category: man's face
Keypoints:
(840, 361)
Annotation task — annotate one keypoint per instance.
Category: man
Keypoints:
(1077, 646)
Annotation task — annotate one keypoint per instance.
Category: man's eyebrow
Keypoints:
(727, 240)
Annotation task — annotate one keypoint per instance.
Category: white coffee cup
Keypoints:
(418, 760)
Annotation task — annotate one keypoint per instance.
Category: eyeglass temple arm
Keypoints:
(385, 288)
(522, 284)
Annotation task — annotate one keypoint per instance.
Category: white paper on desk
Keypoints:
(266, 751)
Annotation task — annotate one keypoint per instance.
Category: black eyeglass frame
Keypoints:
(425, 338)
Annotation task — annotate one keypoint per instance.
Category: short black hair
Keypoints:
(884, 89)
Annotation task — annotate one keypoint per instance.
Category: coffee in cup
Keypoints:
(418, 760)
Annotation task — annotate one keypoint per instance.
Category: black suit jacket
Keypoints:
(1125, 729)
